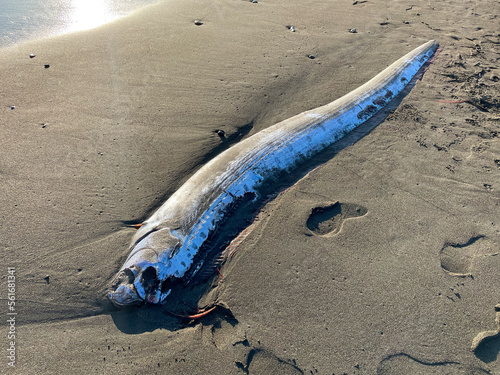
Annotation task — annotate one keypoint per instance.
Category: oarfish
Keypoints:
(163, 249)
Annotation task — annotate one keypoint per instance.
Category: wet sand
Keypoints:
(398, 276)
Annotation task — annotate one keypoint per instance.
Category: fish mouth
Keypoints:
(125, 296)
(136, 286)
(122, 291)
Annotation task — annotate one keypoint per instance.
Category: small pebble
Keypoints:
(43, 125)
(254, 1)
(291, 28)
(47, 279)
(32, 55)
(312, 57)
(221, 133)
(198, 22)
(12, 107)
(46, 66)
(353, 30)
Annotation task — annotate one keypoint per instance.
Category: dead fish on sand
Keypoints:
(164, 248)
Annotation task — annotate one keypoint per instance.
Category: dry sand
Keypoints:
(126, 112)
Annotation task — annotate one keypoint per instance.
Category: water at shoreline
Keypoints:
(21, 20)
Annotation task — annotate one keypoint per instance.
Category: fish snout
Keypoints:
(122, 291)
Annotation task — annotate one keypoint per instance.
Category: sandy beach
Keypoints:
(101, 126)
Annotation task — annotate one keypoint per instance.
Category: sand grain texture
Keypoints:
(125, 113)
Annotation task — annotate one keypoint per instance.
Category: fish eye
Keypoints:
(149, 279)
(149, 273)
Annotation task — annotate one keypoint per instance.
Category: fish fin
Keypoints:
(210, 269)
(136, 226)
(132, 223)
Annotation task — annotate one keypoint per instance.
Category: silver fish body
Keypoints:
(164, 248)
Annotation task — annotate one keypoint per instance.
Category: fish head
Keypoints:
(139, 284)
(144, 277)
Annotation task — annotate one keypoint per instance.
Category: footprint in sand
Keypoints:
(403, 363)
(328, 219)
(457, 259)
(261, 361)
(248, 354)
(486, 345)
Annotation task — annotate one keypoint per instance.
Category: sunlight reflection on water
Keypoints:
(21, 20)
(87, 14)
